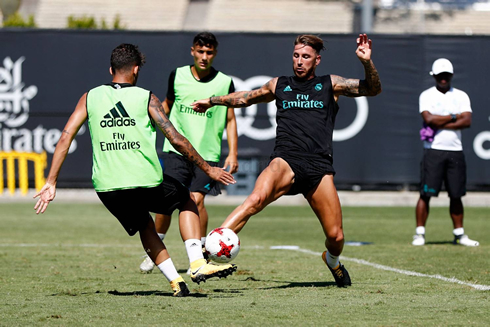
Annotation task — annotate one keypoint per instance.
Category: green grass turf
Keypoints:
(75, 265)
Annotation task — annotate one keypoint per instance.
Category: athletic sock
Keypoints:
(420, 230)
(332, 260)
(168, 270)
(203, 241)
(194, 249)
(458, 231)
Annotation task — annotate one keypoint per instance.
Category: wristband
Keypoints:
(210, 102)
(453, 118)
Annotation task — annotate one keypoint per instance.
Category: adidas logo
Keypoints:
(287, 89)
(117, 117)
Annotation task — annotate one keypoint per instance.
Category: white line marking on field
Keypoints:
(382, 267)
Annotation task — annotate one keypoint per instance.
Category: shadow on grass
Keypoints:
(299, 284)
(286, 285)
(439, 243)
(149, 293)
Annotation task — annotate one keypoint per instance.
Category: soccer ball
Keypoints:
(222, 245)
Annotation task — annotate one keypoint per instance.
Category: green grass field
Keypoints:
(75, 265)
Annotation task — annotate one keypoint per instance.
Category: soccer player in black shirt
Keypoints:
(302, 157)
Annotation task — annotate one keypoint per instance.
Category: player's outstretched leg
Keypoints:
(325, 203)
(158, 253)
(201, 270)
(339, 273)
(190, 230)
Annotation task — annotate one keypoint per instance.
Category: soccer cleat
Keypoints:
(340, 274)
(210, 270)
(205, 254)
(465, 240)
(180, 288)
(418, 239)
(146, 267)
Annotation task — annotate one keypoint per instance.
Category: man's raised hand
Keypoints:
(364, 47)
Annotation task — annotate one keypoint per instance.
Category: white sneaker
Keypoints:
(465, 240)
(418, 239)
(146, 267)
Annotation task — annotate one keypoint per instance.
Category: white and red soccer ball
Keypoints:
(222, 245)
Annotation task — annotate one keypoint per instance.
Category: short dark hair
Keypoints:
(205, 38)
(311, 40)
(125, 56)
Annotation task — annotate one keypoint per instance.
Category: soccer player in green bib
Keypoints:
(205, 131)
(126, 171)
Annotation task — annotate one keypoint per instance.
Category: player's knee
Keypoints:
(335, 236)
(255, 202)
(198, 198)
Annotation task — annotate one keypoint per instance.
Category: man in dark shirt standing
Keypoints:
(302, 157)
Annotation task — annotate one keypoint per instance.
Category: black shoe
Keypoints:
(340, 274)
(180, 289)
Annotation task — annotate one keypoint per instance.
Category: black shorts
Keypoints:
(308, 170)
(438, 166)
(132, 207)
(190, 175)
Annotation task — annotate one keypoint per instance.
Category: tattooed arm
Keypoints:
(76, 120)
(369, 86)
(239, 99)
(183, 145)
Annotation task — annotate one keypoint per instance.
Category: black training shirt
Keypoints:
(305, 116)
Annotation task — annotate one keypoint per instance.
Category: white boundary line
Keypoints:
(382, 267)
(279, 247)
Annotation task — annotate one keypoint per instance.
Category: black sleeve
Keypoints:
(170, 89)
(232, 87)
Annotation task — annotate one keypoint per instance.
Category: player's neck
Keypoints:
(124, 79)
(200, 74)
(443, 89)
(305, 78)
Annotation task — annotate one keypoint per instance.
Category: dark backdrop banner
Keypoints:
(43, 73)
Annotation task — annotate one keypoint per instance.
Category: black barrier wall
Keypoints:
(43, 73)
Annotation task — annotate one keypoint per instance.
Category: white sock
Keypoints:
(458, 231)
(194, 249)
(168, 269)
(332, 260)
(420, 230)
(203, 240)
